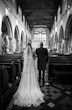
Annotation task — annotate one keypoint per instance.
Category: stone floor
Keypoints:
(57, 97)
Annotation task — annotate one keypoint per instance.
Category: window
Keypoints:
(39, 36)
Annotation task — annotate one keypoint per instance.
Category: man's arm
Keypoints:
(36, 51)
(34, 55)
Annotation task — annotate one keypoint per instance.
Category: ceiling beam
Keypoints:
(42, 26)
(40, 20)
(34, 10)
(41, 23)
(37, 23)
(33, 18)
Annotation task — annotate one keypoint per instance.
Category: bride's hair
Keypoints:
(29, 48)
(29, 44)
(28, 52)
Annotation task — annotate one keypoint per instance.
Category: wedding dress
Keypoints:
(28, 92)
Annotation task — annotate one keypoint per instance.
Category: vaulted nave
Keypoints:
(35, 21)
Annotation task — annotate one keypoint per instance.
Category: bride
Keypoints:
(28, 92)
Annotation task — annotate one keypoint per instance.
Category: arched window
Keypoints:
(16, 35)
(61, 40)
(39, 36)
(56, 38)
(7, 35)
(68, 35)
(22, 36)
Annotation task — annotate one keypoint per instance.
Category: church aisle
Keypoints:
(57, 97)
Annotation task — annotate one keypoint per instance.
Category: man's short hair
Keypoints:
(41, 44)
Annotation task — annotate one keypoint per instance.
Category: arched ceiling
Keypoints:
(39, 12)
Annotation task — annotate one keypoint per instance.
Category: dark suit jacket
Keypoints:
(42, 55)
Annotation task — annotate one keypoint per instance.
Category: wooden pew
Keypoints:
(10, 68)
(6, 91)
(14, 64)
(18, 67)
(4, 79)
(4, 84)
(60, 66)
(17, 58)
(10, 63)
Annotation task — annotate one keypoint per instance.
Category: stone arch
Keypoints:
(56, 37)
(52, 42)
(61, 40)
(16, 33)
(68, 35)
(26, 40)
(7, 35)
(22, 37)
(56, 41)
(16, 36)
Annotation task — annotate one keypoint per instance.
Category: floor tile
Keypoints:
(51, 105)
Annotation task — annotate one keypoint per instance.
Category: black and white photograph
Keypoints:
(36, 54)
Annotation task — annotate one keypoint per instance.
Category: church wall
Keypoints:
(8, 8)
(62, 16)
(63, 21)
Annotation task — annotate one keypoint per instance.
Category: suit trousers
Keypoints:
(43, 72)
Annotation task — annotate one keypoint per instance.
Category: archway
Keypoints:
(68, 35)
(7, 35)
(52, 42)
(61, 40)
(22, 41)
(16, 35)
(56, 41)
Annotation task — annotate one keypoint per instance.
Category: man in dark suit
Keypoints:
(42, 55)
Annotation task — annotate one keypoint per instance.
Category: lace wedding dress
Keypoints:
(28, 92)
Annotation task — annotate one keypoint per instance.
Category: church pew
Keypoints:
(18, 67)
(18, 61)
(60, 66)
(6, 91)
(7, 96)
(12, 72)
(4, 79)
(11, 68)
(11, 57)
(3, 82)
(10, 64)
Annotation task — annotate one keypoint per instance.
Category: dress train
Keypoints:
(28, 92)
